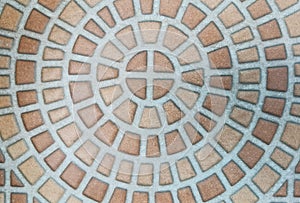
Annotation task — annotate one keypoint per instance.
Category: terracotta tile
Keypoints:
(211, 34)
(4, 61)
(31, 170)
(228, 138)
(106, 164)
(112, 52)
(282, 158)
(297, 89)
(149, 31)
(248, 55)
(292, 23)
(212, 4)
(137, 87)
(53, 95)
(259, 9)
(163, 197)
(125, 171)
(250, 154)
(5, 101)
(220, 58)
(174, 142)
(290, 135)
(37, 21)
(192, 132)
(2, 177)
(277, 79)
(296, 49)
(185, 169)
(282, 192)
(8, 126)
(207, 123)
(90, 115)
(79, 68)
(15, 180)
(73, 175)
(248, 96)
(127, 37)
(59, 35)
(277, 52)
(245, 194)
(146, 6)
(297, 69)
(125, 8)
(174, 37)
(107, 132)
(241, 116)
(112, 93)
(55, 159)
(297, 188)
(2, 197)
(140, 197)
(50, 74)
(32, 119)
(233, 172)
(73, 199)
(215, 103)
(69, 134)
(150, 118)
(130, 144)
(42, 141)
(17, 149)
(118, 196)
(138, 63)
(26, 98)
(210, 187)
(28, 45)
(165, 175)
(194, 77)
(266, 178)
(265, 130)
(52, 54)
(126, 111)
(189, 55)
(51, 5)
(18, 197)
(173, 113)
(274, 106)
(84, 46)
(87, 152)
(284, 4)
(243, 35)
(145, 176)
(269, 30)
(189, 98)
(169, 8)
(80, 91)
(10, 18)
(6, 42)
(153, 147)
(221, 82)
(250, 76)
(92, 3)
(51, 191)
(295, 109)
(231, 16)
(193, 16)
(185, 195)
(107, 17)
(207, 157)
(25, 72)
(4, 82)
(72, 13)
(161, 88)
(94, 28)
(95, 189)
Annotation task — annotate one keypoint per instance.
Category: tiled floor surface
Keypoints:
(149, 101)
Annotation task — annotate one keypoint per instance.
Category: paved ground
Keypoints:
(149, 101)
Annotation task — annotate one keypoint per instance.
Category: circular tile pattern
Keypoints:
(149, 101)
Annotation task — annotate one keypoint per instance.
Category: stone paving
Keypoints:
(149, 101)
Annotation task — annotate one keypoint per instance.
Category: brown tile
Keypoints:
(221, 82)
(295, 109)
(207, 157)
(163, 197)
(189, 55)
(243, 35)
(4, 60)
(118, 196)
(250, 76)
(87, 152)
(185, 169)
(284, 4)
(109, 98)
(193, 133)
(231, 16)
(220, 58)
(28, 45)
(296, 49)
(138, 63)
(53, 95)
(215, 103)
(36, 21)
(4, 82)
(277, 52)
(192, 16)
(125, 171)
(274, 106)
(137, 87)
(95, 189)
(146, 6)
(32, 119)
(212, 4)
(207, 123)
(282, 192)
(228, 138)
(282, 158)
(297, 188)
(174, 142)
(145, 176)
(51, 74)
(233, 172)
(250, 154)
(245, 194)
(69, 134)
(2, 177)
(6, 42)
(140, 197)
(265, 130)
(27, 97)
(107, 17)
(80, 91)
(165, 175)
(51, 191)
(127, 37)
(269, 30)
(112, 52)
(150, 118)
(107, 132)
(106, 73)
(173, 113)
(185, 195)
(73, 175)
(55, 159)
(149, 30)
(73, 199)
(210, 187)
(292, 23)
(10, 18)
(51, 5)
(59, 35)
(130, 144)
(72, 13)
(194, 77)
(18, 197)
(210, 35)
(106, 164)
(5, 101)
(161, 87)
(90, 115)
(42, 141)
(25, 72)
(84, 46)
(259, 9)
(291, 135)
(8, 126)
(32, 170)
(277, 79)
(297, 89)
(174, 38)
(266, 178)
(189, 98)
(17, 149)
(162, 63)
(52, 54)
(15, 180)
(248, 96)
(94, 28)
(169, 8)
(125, 8)
(92, 3)
(241, 116)
(248, 55)
(153, 147)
